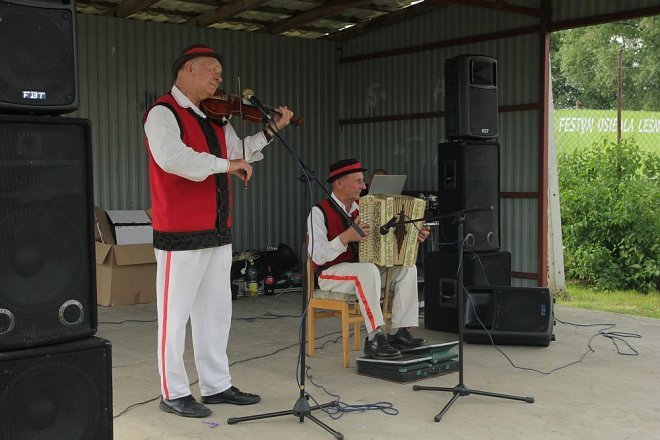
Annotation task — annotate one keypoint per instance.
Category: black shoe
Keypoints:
(404, 339)
(379, 348)
(234, 396)
(185, 407)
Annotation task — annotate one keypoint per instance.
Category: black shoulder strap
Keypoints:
(171, 108)
(325, 216)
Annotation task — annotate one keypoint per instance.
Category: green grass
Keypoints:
(628, 302)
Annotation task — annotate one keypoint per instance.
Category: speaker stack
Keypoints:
(55, 376)
(469, 179)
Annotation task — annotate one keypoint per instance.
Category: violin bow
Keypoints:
(240, 111)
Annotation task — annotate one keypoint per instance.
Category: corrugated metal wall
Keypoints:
(124, 65)
(414, 83)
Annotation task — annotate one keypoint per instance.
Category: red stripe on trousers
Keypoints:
(163, 337)
(356, 280)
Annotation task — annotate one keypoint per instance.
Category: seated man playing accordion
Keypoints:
(332, 246)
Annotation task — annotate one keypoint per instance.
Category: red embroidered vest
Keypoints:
(188, 214)
(335, 225)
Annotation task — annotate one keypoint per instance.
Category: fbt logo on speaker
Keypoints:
(29, 94)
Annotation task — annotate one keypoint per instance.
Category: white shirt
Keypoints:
(324, 250)
(174, 157)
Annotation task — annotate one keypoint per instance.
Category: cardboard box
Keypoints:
(130, 227)
(125, 273)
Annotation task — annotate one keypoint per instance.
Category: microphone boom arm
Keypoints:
(460, 213)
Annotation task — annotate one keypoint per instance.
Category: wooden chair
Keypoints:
(328, 304)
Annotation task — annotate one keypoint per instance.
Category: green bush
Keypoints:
(610, 195)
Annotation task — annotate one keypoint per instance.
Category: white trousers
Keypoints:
(365, 280)
(194, 284)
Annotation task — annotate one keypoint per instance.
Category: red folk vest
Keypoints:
(186, 214)
(335, 225)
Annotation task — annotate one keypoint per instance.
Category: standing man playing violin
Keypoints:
(338, 268)
(190, 162)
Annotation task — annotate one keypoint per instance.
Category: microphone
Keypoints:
(387, 226)
(265, 109)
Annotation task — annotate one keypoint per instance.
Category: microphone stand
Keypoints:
(461, 389)
(301, 408)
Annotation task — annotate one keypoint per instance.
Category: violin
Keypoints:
(223, 105)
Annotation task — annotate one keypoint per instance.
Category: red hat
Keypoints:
(343, 167)
(194, 51)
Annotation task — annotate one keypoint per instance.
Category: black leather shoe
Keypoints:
(234, 396)
(404, 339)
(185, 407)
(379, 348)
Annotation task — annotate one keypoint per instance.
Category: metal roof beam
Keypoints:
(331, 7)
(387, 20)
(224, 12)
(498, 5)
(129, 7)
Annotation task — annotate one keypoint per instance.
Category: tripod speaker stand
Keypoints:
(461, 389)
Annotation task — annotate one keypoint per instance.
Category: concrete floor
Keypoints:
(607, 396)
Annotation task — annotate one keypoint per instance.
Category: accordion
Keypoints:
(399, 246)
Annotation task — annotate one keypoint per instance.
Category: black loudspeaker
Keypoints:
(61, 391)
(38, 73)
(47, 264)
(469, 174)
(512, 315)
(471, 97)
(441, 282)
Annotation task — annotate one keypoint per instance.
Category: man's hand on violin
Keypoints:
(241, 169)
(282, 117)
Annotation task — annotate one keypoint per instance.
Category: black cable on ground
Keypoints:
(342, 408)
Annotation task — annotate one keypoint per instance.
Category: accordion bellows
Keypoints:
(399, 246)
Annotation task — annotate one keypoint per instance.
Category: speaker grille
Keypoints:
(483, 112)
(47, 270)
(38, 53)
(469, 179)
(512, 315)
(57, 392)
(523, 310)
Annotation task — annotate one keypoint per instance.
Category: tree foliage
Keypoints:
(584, 65)
(610, 194)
